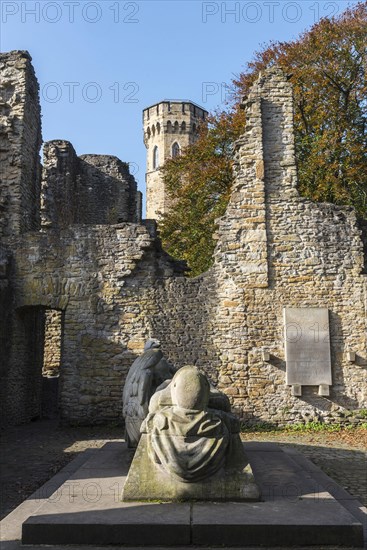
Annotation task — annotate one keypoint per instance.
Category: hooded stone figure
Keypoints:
(189, 450)
(146, 374)
(185, 436)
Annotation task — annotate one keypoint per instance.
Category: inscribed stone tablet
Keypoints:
(307, 346)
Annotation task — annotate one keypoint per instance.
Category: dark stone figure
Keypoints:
(146, 374)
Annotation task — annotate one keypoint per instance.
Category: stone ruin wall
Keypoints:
(5, 306)
(58, 185)
(90, 189)
(103, 279)
(20, 142)
(74, 190)
(116, 287)
(275, 250)
(108, 192)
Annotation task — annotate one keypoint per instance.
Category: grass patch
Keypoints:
(314, 427)
(300, 427)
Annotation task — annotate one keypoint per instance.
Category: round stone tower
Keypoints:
(169, 127)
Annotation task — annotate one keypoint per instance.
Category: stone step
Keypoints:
(86, 509)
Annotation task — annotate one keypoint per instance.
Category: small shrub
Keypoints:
(300, 427)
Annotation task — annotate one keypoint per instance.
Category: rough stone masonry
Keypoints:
(75, 252)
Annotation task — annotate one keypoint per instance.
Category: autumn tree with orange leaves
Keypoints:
(328, 65)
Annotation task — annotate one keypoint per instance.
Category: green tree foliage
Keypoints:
(328, 65)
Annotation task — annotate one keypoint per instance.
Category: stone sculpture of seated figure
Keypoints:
(186, 437)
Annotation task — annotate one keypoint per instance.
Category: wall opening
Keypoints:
(175, 150)
(40, 358)
(52, 344)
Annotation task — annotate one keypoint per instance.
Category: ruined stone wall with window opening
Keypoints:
(115, 286)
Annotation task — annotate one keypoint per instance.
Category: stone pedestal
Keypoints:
(147, 481)
(300, 507)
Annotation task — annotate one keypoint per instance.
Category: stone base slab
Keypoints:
(146, 481)
(296, 510)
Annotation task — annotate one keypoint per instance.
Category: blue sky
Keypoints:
(100, 63)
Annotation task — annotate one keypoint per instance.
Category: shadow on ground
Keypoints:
(33, 453)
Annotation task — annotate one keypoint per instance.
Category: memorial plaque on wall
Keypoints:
(307, 346)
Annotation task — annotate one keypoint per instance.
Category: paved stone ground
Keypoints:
(31, 454)
(341, 455)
